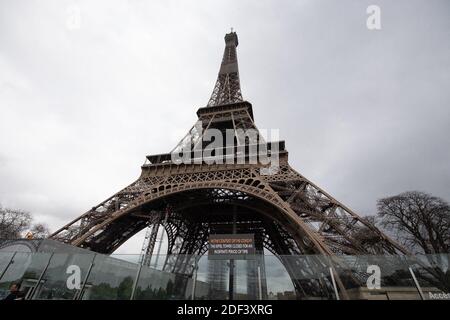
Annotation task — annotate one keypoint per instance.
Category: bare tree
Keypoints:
(13, 223)
(418, 220)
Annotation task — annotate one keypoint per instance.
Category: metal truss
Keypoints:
(227, 88)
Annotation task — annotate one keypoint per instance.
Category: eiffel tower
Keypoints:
(287, 213)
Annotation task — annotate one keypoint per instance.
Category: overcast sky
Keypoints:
(365, 114)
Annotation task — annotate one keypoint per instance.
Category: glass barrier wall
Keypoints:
(432, 274)
(80, 274)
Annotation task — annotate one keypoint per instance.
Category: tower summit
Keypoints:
(227, 88)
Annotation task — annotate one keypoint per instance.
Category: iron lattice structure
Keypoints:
(288, 214)
(227, 88)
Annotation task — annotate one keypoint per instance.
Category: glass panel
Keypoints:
(202, 285)
(54, 282)
(5, 258)
(15, 271)
(433, 275)
(218, 274)
(110, 279)
(26, 270)
(310, 276)
(249, 280)
(359, 275)
(244, 285)
(34, 271)
(155, 284)
(279, 285)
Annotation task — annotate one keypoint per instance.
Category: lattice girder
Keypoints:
(318, 217)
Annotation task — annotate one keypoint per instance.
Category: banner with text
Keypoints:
(231, 246)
